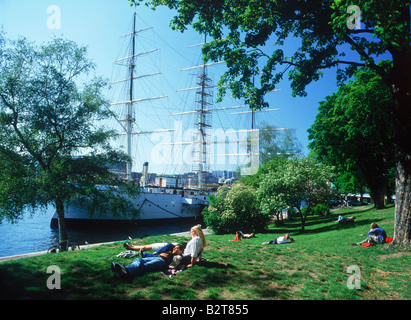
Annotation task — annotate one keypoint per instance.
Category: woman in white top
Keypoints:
(195, 246)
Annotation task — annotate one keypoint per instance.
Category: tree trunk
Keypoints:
(401, 89)
(279, 222)
(378, 194)
(402, 226)
(63, 238)
(303, 218)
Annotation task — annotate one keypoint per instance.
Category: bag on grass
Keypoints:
(367, 244)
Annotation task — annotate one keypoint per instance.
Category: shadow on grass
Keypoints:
(320, 224)
(258, 284)
(17, 282)
(216, 265)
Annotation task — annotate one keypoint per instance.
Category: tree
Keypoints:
(235, 208)
(275, 142)
(255, 179)
(294, 183)
(243, 33)
(349, 182)
(353, 132)
(275, 145)
(51, 145)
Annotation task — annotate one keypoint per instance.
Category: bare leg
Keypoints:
(133, 247)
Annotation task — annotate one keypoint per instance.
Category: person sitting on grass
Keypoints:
(141, 266)
(238, 236)
(280, 240)
(376, 235)
(194, 249)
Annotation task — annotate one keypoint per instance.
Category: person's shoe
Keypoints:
(354, 244)
(113, 269)
(142, 254)
(119, 271)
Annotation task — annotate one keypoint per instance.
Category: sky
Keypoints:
(100, 24)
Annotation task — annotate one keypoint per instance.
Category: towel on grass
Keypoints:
(128, 254)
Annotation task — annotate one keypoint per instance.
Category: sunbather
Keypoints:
(280, 240)
(141, 266)
(342, 219)
(146, 247)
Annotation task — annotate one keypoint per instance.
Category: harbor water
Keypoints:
(33, 233)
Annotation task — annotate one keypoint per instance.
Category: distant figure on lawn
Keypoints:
(342, 219)
(247, 235)
(239, 235)
(280, 240)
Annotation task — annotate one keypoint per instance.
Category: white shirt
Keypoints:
(193, 248)
(282, 240)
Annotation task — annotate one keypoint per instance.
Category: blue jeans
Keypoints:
(167, 247)
(142, 265)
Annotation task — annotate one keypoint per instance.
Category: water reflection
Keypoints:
(33, 233)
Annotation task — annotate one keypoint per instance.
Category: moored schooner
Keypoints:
(165, 199)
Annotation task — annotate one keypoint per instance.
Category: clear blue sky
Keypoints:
(98, 24)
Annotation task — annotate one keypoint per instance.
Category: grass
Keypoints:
(312, 268)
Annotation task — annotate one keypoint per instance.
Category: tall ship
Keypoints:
(169, 197)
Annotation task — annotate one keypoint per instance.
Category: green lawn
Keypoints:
(314, 267)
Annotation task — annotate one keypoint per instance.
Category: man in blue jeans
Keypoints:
(147, 264)
(375, 235)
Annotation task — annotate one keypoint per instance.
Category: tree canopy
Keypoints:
(277, 142)
(233, 209)
(53, 147)
(353, 132)
(295, 183)
(244, 32)
(252, 38)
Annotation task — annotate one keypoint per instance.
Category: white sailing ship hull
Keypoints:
(154, 208)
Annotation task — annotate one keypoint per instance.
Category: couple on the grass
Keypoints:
(166, 255)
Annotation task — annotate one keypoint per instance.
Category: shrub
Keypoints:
(235, 208)
(317, 210)
(321, 209)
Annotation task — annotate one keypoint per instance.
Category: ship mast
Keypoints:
(129, 119)
(129, 103)
(204, 110)
(203, 123)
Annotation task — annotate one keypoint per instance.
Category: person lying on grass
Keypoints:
(239, 235)
(342, 219)
(146, 247)
(191, 254)
(280, 240)
(152, 263)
